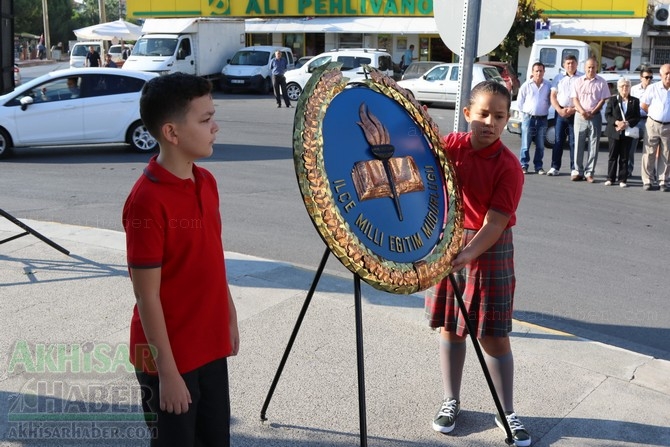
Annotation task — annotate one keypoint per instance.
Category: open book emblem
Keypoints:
(387, 176)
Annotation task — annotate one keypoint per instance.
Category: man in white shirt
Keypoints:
(646, 76)
(533, 102)
(656, 102)
(565, 113)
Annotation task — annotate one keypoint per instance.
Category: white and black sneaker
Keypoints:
(520, 435)
(445, 419)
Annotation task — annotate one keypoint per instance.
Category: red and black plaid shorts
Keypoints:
(487, 285)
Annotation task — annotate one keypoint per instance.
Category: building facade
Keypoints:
(615, 29)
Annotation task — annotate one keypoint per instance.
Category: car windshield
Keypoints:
(255, 58)
(82, 50)
(155, 47)
(491, 73)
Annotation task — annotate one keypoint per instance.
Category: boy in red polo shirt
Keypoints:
(491, 182)
(184, 323)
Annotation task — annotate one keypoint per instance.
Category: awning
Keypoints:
(597, 27)
(362, 25)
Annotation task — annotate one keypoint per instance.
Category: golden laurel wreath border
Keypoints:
(389, 276)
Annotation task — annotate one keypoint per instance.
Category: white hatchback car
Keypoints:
(352, 60)
(76, 106)
(440, 83)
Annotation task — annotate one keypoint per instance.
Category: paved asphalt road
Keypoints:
(590, 259)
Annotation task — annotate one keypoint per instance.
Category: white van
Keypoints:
(79, 51)
(249, 69)
(552, 52)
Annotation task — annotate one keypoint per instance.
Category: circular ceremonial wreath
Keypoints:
(375, 180)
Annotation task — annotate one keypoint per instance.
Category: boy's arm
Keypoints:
(174, 395)
(234, 330)
(494, 225)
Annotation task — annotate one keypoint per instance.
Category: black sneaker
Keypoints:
(445, 419)
(519, 433)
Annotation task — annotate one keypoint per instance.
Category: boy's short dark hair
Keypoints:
(167, 98)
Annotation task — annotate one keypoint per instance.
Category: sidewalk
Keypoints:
(569, 391)
(35, 62)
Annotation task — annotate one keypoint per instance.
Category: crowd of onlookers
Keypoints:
(633, 114)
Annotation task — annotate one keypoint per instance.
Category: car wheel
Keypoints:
(293, 90)
(140, 139)
(550, 136)
(5, 144)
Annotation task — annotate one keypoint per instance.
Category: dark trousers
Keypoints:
(207, 421)
(279, 83)
(565, 128)
(618, 159)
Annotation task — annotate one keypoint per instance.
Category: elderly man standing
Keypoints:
(656, 102)
(589, 95)
(561, 90)
(646, 77)
(533, 102)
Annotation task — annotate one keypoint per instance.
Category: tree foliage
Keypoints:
(64, 17)
(522, 33)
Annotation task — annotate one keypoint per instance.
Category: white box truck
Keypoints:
(199, 46)
(551, 53)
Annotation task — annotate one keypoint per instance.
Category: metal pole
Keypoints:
(466, 57)
(361, 362)
(482, 361)
(47, 37)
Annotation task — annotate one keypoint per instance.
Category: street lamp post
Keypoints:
(47, 38)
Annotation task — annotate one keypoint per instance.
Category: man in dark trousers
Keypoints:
(93, 58)
(278, 68)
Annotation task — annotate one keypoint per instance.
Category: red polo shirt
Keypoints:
(175, 224)
(490, 178)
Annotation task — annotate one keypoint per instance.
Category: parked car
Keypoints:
(352, 60)
(440, 83)
(514, 123)
(17, 75)
(249, 69)
(416, 69)
(508, 74)
(117, 53)
(76, 106)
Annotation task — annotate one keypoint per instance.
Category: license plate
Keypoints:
(237, 81)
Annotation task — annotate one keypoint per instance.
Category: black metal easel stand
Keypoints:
(359, 348)
(28, 231)
(459, 297)
(360, 358)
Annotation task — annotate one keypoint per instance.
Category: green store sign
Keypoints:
(280, 8)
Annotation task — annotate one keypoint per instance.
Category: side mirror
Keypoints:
(25, 102)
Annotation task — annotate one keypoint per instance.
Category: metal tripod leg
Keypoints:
(461, 305)
(359, 349)
(28, 231)
(294, 334)
(361, 361)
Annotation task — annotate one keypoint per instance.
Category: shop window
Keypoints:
(259, 39)
(350, 40)
(296, 42)
(661, 50)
